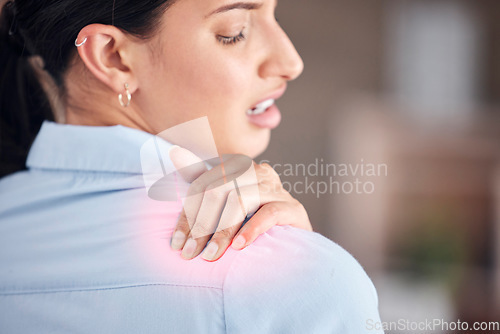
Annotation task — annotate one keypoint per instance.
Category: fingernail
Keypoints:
(178, 240)
(210, 251)
(189, 249)
(239, 242)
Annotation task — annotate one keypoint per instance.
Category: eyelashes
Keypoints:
(231, 40)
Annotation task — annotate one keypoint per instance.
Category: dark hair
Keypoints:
(48, 28)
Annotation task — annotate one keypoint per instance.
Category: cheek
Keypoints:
(221, 89)
(207, 76)
(218, 83)
(199, 78)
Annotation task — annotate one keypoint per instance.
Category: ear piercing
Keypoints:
(120, 96)
(80, 44)
(129, 97)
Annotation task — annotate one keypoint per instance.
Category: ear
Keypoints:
(106, 55)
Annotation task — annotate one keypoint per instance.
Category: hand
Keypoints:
(218, 201)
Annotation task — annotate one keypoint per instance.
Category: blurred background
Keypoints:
(412, 85)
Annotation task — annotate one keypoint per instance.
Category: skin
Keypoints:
(187, 73)
(214, 203)
(184, 72)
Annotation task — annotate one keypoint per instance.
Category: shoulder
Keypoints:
(295, 280)
(16, 187)
(12, 181)
(298, 253)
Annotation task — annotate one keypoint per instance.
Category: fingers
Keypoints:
(209, 212)
(190, 167)
(207, 197)
(193, 247)
(180, 233)
(207, 219)
(219, 243)
(219, 213)
(269, 215)
(206, 209)
(231, 219)
(186, 220)
(220, 199)
(263, 220)
(233, 167)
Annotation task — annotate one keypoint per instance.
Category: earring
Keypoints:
(129, 97)
(80, 44)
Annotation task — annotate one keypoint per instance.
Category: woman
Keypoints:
(185, 75)
(78, 221)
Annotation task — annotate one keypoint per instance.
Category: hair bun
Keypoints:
(9, 31)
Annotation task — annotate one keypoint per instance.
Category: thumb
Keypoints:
(189, 165)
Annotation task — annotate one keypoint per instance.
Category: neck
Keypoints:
(105, 117)
(92, 103)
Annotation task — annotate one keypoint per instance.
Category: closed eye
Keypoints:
(230, 40)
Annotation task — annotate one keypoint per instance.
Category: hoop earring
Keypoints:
(129, 97)
(80, 44)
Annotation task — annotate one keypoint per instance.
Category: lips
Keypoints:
(261, 107)
(266, 102)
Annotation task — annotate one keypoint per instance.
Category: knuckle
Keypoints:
(258, 229)
(302, 212)
(182, 223)
(272, 210)
(224, 234)
(296, 204)
(200, 230)
(184, 231)
(183, 227)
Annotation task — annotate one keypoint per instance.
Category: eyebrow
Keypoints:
(236, 5)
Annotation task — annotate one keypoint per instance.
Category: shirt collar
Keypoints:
(114, 148)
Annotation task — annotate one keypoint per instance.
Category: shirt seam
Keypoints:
(73, 169)
(236, 257)
(12, 293)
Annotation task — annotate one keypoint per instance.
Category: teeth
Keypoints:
(261, 107)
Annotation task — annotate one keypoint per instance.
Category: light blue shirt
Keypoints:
(84, 249)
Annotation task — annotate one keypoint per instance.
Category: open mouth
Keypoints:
(261, 107)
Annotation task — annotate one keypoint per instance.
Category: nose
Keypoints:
(283, 60)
